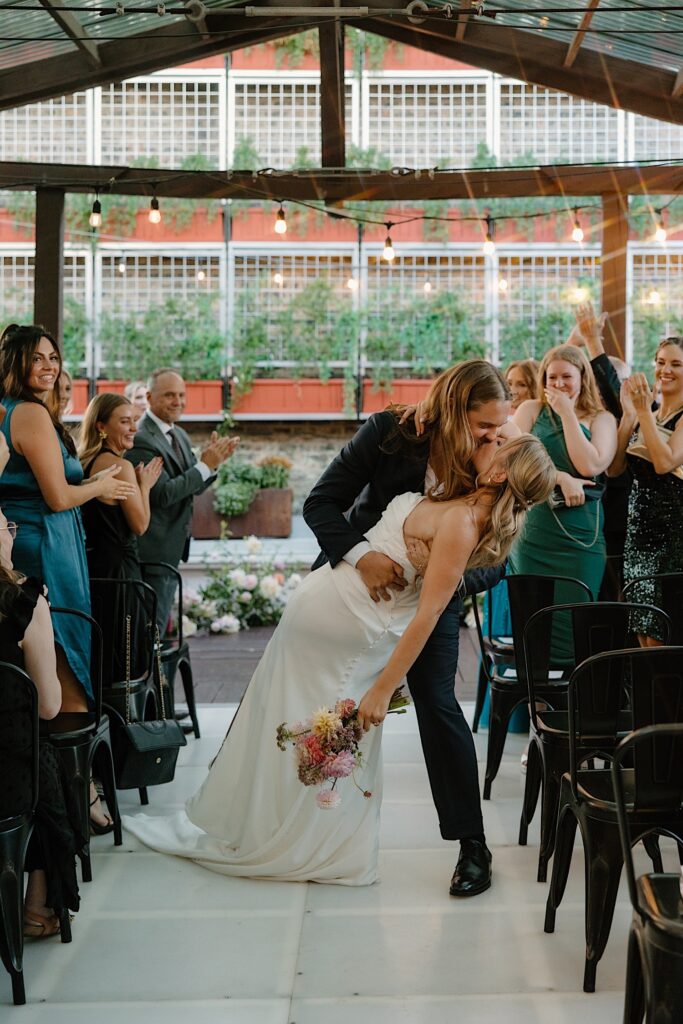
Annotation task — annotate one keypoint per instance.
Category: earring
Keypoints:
(102, 435)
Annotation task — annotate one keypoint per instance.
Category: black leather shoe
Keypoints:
(472, 873)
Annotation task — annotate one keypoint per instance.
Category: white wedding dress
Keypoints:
(252, 817)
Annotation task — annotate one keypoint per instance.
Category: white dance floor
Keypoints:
(159, 940)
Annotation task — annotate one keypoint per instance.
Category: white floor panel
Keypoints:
(160, 940)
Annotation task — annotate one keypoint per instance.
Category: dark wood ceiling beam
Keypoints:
(71, 26)
(580, 35)
(535, 58)
(347, 185)
(463, 18)
(332, 94)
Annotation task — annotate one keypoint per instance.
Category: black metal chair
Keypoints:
(83, 741)
(175, 654)
(494, 650)
(664, 590)
(596, 628)
(654, 678)
(18, 695)
(654, 968)
(508, 687)
(110, 599)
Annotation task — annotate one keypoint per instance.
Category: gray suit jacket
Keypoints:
(166, 538)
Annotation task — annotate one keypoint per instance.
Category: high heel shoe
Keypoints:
(40, 926)
(97, 829)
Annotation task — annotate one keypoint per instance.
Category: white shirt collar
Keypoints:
(162, 425)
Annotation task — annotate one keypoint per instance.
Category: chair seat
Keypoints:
(72, 726)
(16, 821)
(594, 786)
(556, 723)
(660, 900)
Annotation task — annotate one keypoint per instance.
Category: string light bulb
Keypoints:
(122, 267)
(577, 232)
(352, 284)
(660, 230)
(654, 297)
(502, 285)
(427, 287)
(489, 246)
(201, 275)
(388, 253)
(278, 279)
(154, 214)
(95, 218)
(280, 222)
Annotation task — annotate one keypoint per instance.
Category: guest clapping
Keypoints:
(654, 541)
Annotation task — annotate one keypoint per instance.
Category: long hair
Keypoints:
(99, 410)
(17, 346)
(588, 402)
(530, 479)
(453, 394)
(529, 371)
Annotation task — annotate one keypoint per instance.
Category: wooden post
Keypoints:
(332, 97)
(614, 270)
(48, 285)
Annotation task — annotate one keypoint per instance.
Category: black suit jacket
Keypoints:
(349, 498)
(618, 488)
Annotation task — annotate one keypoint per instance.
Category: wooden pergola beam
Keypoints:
(536, 58)
(580, 34)
(614, 270)
(332, 94)
(677, 90)
(333, 186)
(71, 26)
(463, 18)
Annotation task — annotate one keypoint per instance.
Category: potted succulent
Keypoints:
(246, 500)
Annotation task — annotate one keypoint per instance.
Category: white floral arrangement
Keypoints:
(237, 598)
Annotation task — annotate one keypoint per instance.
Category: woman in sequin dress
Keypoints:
(654, 540)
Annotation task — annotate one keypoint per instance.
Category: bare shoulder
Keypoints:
(602, 420)
(527, 413)
(33, 415)
(106, 459)
(458, 523)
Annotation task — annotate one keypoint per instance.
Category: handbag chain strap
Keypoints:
(575, 540)
(127, 669)
(157, 648)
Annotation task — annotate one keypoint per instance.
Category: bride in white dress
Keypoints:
(252, 817)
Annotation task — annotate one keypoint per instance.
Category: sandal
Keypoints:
(40, 926)
(97, 829)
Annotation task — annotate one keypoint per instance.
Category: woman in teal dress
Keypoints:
(580, 437)
(41, 490)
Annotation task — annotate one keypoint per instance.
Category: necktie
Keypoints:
(177, 450)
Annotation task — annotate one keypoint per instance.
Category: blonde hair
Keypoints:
(530, 480)
(453, 394)
(90, 441)
(588, 402)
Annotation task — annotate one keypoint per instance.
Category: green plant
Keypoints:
(275, 470)
(235, 486)
(74, 338)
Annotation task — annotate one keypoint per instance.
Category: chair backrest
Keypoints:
(659, 747)
(596, 627)
(114, 601)
(664, 590)
(172, 571)
(18, 722)
(529, 594)
(653, 679)
(95, 654)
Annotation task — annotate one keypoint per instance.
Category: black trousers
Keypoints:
(446, 737)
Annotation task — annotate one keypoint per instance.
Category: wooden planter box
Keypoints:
(305, 397)
(79, 396)
(269, 515)
(405, 392)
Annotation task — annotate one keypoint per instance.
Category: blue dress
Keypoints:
(50, 546)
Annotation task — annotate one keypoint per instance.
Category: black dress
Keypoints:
(654, 539)
(56, 833)
(112, 553)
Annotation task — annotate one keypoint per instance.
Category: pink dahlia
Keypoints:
(345, 707)
(340, 766)
(327, 799)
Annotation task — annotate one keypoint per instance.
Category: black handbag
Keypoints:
(145, 753)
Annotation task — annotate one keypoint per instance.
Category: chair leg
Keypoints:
(532, 787)
(651, 844)
(503, 703)
(482, 686)
(564, 846)
(76, 761)
(13, 846)
(18, 988)
(554, 766)
(603, 861)
(144, 799)
(64, 924)
(185, 669)
(634, 995)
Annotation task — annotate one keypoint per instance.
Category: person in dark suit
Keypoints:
(167, 539)
(467, 406)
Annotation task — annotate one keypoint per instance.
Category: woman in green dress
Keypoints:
(581, 439)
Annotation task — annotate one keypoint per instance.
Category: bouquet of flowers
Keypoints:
(326, 746)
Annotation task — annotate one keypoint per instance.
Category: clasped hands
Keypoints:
(218, 450)
(636, 396)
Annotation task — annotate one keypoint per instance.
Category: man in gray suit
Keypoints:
(167, 538)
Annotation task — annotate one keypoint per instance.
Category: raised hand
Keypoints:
(218, 450)
(627, 406)
(380, 574)
(418, 414)
(147, 475)
(559, 401)
(640, 393)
